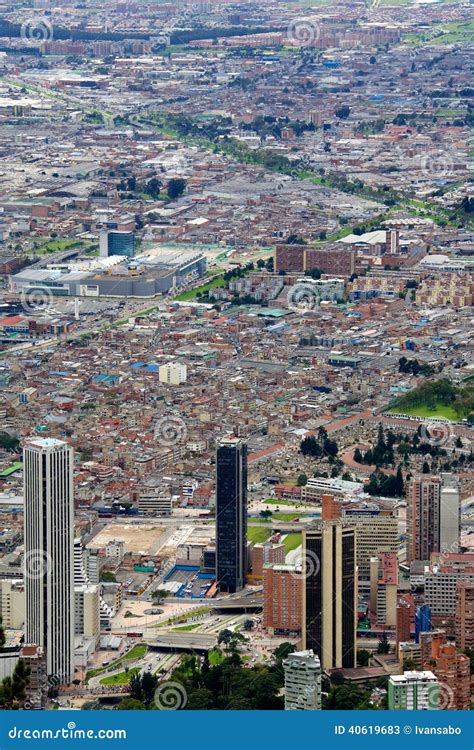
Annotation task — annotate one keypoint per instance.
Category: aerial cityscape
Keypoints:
(236, 371)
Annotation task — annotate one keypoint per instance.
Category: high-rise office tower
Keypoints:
(302, 682)
(450, 530)
(330, 594)
(116, 242)
(432, 517)
(231, 514)
(49, 553)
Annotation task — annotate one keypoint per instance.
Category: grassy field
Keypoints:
(257, 535)
(191, 293)
(286, 516)
(423, 411)
(57, 246)
(186, 627)
(137, 652)
(122, 678)
(292, 541)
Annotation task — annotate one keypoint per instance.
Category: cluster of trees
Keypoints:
(224, 686)
(442, 392)
(320, 446)
(413, 367)
(175, 187)
(348, 698)
(314, 273)
(269, 125)
(381, 454)
(384, 485)
(13, 689)
(183, 36)
(384, 454)
(239, 272)
(9, 443)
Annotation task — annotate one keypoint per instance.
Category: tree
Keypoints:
(107, 577)
(358, 456)
(9, 443)
(383, 645)
(399, 482)
(225, 637)
(153, 187)
(266, 514)
(302, 480)
(343, 112)
(201, 699)
(345, 698)
(176, 187)
(283, 651)
(426, 468)
(363, 657)
(142, 688)
(159, 594)
(130, 704)
(13, 689)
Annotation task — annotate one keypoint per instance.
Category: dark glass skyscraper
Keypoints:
(231, 514)
(330, 594)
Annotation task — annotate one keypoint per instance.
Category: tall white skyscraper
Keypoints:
(49, 553)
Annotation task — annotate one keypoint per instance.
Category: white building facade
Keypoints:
(49, 553)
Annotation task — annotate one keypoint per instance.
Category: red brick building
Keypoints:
(453, 672)
(465, 615)
(282, 598)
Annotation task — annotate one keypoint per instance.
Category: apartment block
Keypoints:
(282, 598)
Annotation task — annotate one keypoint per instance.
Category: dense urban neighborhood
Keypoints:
(236, 372)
